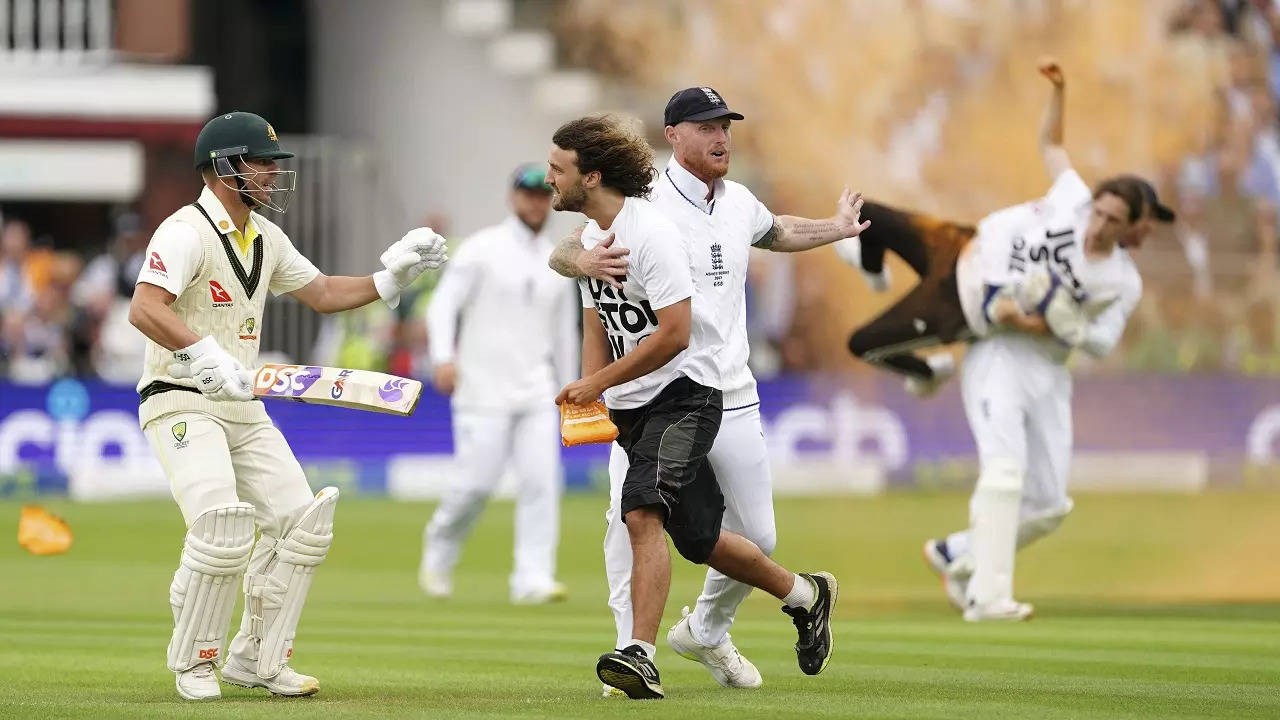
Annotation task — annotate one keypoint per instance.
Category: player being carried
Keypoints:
(199, 300)
(664, 395)
(721, 220)
(1033, 283)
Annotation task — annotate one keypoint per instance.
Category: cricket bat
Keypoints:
(355, 389)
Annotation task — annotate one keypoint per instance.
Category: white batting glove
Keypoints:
(419, 250)
(218, 375)
(430, 246)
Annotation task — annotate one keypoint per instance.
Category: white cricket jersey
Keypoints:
(221, 291)
(508, 322)
(659, 275)
(1049, 231)
(720, 232)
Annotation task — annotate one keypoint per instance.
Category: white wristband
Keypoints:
(204, 346)
(387, 287)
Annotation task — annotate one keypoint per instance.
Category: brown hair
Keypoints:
(1127, 188)
(607, 144)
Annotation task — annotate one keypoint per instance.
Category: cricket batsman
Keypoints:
(199, 300)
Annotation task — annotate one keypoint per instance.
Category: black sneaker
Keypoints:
(813, 649)
(631, 671)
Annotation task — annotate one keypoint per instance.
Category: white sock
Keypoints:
(648, 648)
(803, 594)
(958, 544)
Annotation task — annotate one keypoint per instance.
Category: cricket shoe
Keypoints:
(938, 560)
(556, 593)
(287, 682)
(1003, 611)
(850, 251)
(723, 661)
(436, 585)
(198, 683)
(943, 366)
(632, 672)
(813, 648)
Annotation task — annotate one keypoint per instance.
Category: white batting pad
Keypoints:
(274, 596)
(203, 592)
(994, 526)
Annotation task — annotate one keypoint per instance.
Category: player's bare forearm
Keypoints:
(1029, 324)
(797, 234)
(149, 311)
(335, 293)
(602, 262)
(595, 344)
(657, 350)
(564, 259)
(1052, 131)
(1009, 316)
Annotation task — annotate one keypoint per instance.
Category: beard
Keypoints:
(571, 199)
(706, 167)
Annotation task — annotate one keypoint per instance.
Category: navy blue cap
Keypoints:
(695, 105)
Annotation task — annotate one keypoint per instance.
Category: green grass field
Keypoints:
(1147, 607)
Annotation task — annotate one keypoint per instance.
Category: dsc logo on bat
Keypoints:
(285, 380)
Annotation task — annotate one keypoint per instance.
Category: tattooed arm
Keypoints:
(602, 262)
(794, 234)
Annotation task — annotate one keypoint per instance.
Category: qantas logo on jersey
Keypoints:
(221, 298)
(157, 265)
(620, 315)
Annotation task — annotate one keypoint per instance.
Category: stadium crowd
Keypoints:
(1212, 301)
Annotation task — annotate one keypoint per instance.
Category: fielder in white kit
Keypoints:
(499, 290)
(721, 220)
(199, 300)
(1039, 280)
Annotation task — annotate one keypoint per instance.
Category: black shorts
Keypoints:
(667, 442)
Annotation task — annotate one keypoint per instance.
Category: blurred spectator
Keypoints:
(36, 343)
(16, 292)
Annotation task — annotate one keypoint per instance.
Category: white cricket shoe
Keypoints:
(943, 366)
(556, 593)
(723, 661)
(954, 585)
(1004, 611)
(850, 251)
(287, 682)
(198, 683)
(435, 584)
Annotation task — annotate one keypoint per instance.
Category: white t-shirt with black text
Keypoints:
(659, 275)
(1049, 232)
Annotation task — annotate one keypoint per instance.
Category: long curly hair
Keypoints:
(610, 145)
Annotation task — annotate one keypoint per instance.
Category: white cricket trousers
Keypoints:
(210, 461)
(484, 443)
(741, 464)
(1018, 403)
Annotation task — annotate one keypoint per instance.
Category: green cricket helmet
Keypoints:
(244, 136)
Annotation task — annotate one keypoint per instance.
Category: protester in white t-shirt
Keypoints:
(721, 221)
(648, 346)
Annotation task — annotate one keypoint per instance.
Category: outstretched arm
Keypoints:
(795, 234)
(1056, 160)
